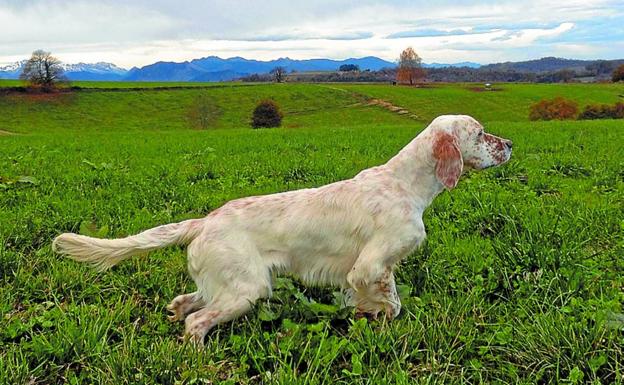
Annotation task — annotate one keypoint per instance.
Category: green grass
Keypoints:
(11, 83)
(520, 280)
(109, 84)
(510, 102)
(157, 110)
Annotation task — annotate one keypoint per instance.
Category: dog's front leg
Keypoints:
(372, 283)
(381, 295)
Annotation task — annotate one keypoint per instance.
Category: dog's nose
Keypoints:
(509, 144)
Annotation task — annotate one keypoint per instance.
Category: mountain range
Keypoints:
(213, 68)
(79, 71)
(551, 64)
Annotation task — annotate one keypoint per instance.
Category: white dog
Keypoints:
(350, 233)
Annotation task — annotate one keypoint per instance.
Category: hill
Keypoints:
(550, 64)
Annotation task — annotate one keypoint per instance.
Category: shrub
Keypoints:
(603, 111)
(618, 110)
(267, 114)
(618, 74)
(555, 109)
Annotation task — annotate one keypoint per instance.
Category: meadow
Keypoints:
(521, 279)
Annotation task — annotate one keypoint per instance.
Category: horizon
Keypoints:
(313, 58)
(146, 32)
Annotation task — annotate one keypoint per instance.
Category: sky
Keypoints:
(136, 33)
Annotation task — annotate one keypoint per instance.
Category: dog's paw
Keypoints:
(392, 310)
(194, 340)
(176, 315)
(371, 316)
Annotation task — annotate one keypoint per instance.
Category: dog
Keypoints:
(350, 233)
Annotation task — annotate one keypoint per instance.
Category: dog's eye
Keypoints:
(480, 135)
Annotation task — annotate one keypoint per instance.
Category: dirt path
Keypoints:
(365, 100)
(391, 107)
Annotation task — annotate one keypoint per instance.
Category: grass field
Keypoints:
(110, 85)
(521, 279)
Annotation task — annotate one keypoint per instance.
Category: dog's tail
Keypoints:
(106, 253)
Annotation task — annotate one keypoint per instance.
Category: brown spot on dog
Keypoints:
(496, 148)
(449, 161)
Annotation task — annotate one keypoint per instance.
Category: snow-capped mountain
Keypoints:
(79, 71)
(100, 67)
(12, 66)
(11, 70)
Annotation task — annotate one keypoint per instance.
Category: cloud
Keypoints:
(529, 36)
(309, 36)
(143, 31)
(427, 33)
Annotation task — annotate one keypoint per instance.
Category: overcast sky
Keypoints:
(135, 33)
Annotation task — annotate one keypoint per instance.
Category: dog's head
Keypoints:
(459, 141)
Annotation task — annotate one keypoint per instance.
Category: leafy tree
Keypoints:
(278, 74)
(618, 74)
(564, 76)
(410, 67)
(349, 68)
(43, 70)
(600, 67)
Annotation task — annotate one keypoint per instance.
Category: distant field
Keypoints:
(508, 102)
(521, 279)
(306, 105)
(10, 83)
(104, 84)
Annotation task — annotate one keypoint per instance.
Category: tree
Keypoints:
(564, 76)
(43, 70)
(278, 74)
(349, 68)
(204, 112)
(600, 67)
(618, 74)
(410, 70)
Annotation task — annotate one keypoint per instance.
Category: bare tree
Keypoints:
(278, 74)
(410, 67)
(43, 70)
(204, 112)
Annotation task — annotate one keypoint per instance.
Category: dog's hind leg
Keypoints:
(230, 275)
(222, 309)
(185, 304)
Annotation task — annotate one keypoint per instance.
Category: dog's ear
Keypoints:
(449, 162)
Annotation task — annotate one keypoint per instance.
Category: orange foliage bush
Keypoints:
(603, 111)
(618, 74)
(555, 109)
